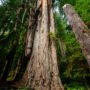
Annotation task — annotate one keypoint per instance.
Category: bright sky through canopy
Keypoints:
(0, 2)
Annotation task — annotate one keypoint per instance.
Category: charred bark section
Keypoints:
(80, 30)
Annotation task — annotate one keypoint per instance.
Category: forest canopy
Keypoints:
(39, 48)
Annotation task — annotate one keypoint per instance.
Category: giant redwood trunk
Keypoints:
(81, 31)
(42, 70)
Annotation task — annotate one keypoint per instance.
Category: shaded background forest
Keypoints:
(74, 70)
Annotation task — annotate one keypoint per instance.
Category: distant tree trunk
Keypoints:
(62, 47)
(81, 31)
(86, 84)
(8, 64)
(55, 83)
(42, 70)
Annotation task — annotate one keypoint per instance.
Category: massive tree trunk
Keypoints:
(81, 31)
(42, 70)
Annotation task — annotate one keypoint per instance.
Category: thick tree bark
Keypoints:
(42, 70)
(81, 31)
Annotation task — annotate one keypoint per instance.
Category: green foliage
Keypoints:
(74, 86)
(73, 66)
(81, 6)
(12, 35)
(83, 9)
(60, 3)
(53, 35)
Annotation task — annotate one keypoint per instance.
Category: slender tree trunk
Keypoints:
(42, 70)
(29, 37)
(86, 84)
(81, 31)
(8, 64)
(62, 47)
(55, 80)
